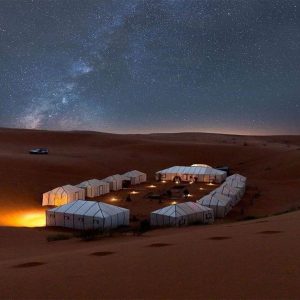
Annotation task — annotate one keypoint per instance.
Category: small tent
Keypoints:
(87, 215)
(94, 187)
(115, 182)
(136, 177)
(220, 204)
(62, 195)
(182, 214)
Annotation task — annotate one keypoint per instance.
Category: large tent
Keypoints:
(115, 182)
(200, 173)
(86, 215)
(94, 187)
(220, 204)
(62, 195)
(136, 177)
(182, 214)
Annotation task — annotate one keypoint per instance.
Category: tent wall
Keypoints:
(94, 188)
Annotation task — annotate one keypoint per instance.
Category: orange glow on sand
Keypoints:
(151, 186)
(26, 218)
(134, 193)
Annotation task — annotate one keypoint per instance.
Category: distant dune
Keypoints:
(253, 259)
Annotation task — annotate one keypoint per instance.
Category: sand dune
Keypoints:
(253, 259)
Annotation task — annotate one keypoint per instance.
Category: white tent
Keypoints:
(200, 173)
(136, 177)
(182, 214)
(87, 215)
(94, 187)
(219, 203)
(234, 193)
(115, 182)
(62, 195)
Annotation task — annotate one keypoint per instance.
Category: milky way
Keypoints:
(151, 66)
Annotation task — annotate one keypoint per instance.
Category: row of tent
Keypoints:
(92, 188)
(194, 173)
(226, 196)
(92, 215)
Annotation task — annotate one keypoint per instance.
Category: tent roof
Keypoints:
(200, 165)
(116, 177)
(66, 188)
(236, 177)
(89, 208)
(214, 199)
(226, 187)
(181, 209)
(133, 173)
(92, 182)
(201, 170)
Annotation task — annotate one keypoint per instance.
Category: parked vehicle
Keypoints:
(39, 151)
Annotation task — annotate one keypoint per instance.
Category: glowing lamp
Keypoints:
(152, 186)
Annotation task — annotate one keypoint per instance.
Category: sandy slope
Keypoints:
(253, 259)
(248, 264)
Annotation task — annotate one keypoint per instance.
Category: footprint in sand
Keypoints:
(102, 253)
(270, 232)
(29, 264)
(157, 245)
(219, 238)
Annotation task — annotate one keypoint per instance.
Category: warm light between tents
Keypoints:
(134, 192)
(174, 202)
(151, 186)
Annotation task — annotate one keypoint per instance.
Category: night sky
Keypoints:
(151, 66)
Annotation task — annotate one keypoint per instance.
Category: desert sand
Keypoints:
(248, 259)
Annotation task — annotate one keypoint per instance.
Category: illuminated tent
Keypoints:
(94, 187)
(136, 177)
(86, 215)
(182, 214)
(115, 182)
(220, 204)
(62, 195)
(199, 173)
(235, 194)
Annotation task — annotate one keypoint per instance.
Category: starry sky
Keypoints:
(151, 66)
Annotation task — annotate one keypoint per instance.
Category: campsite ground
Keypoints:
(250, 259)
